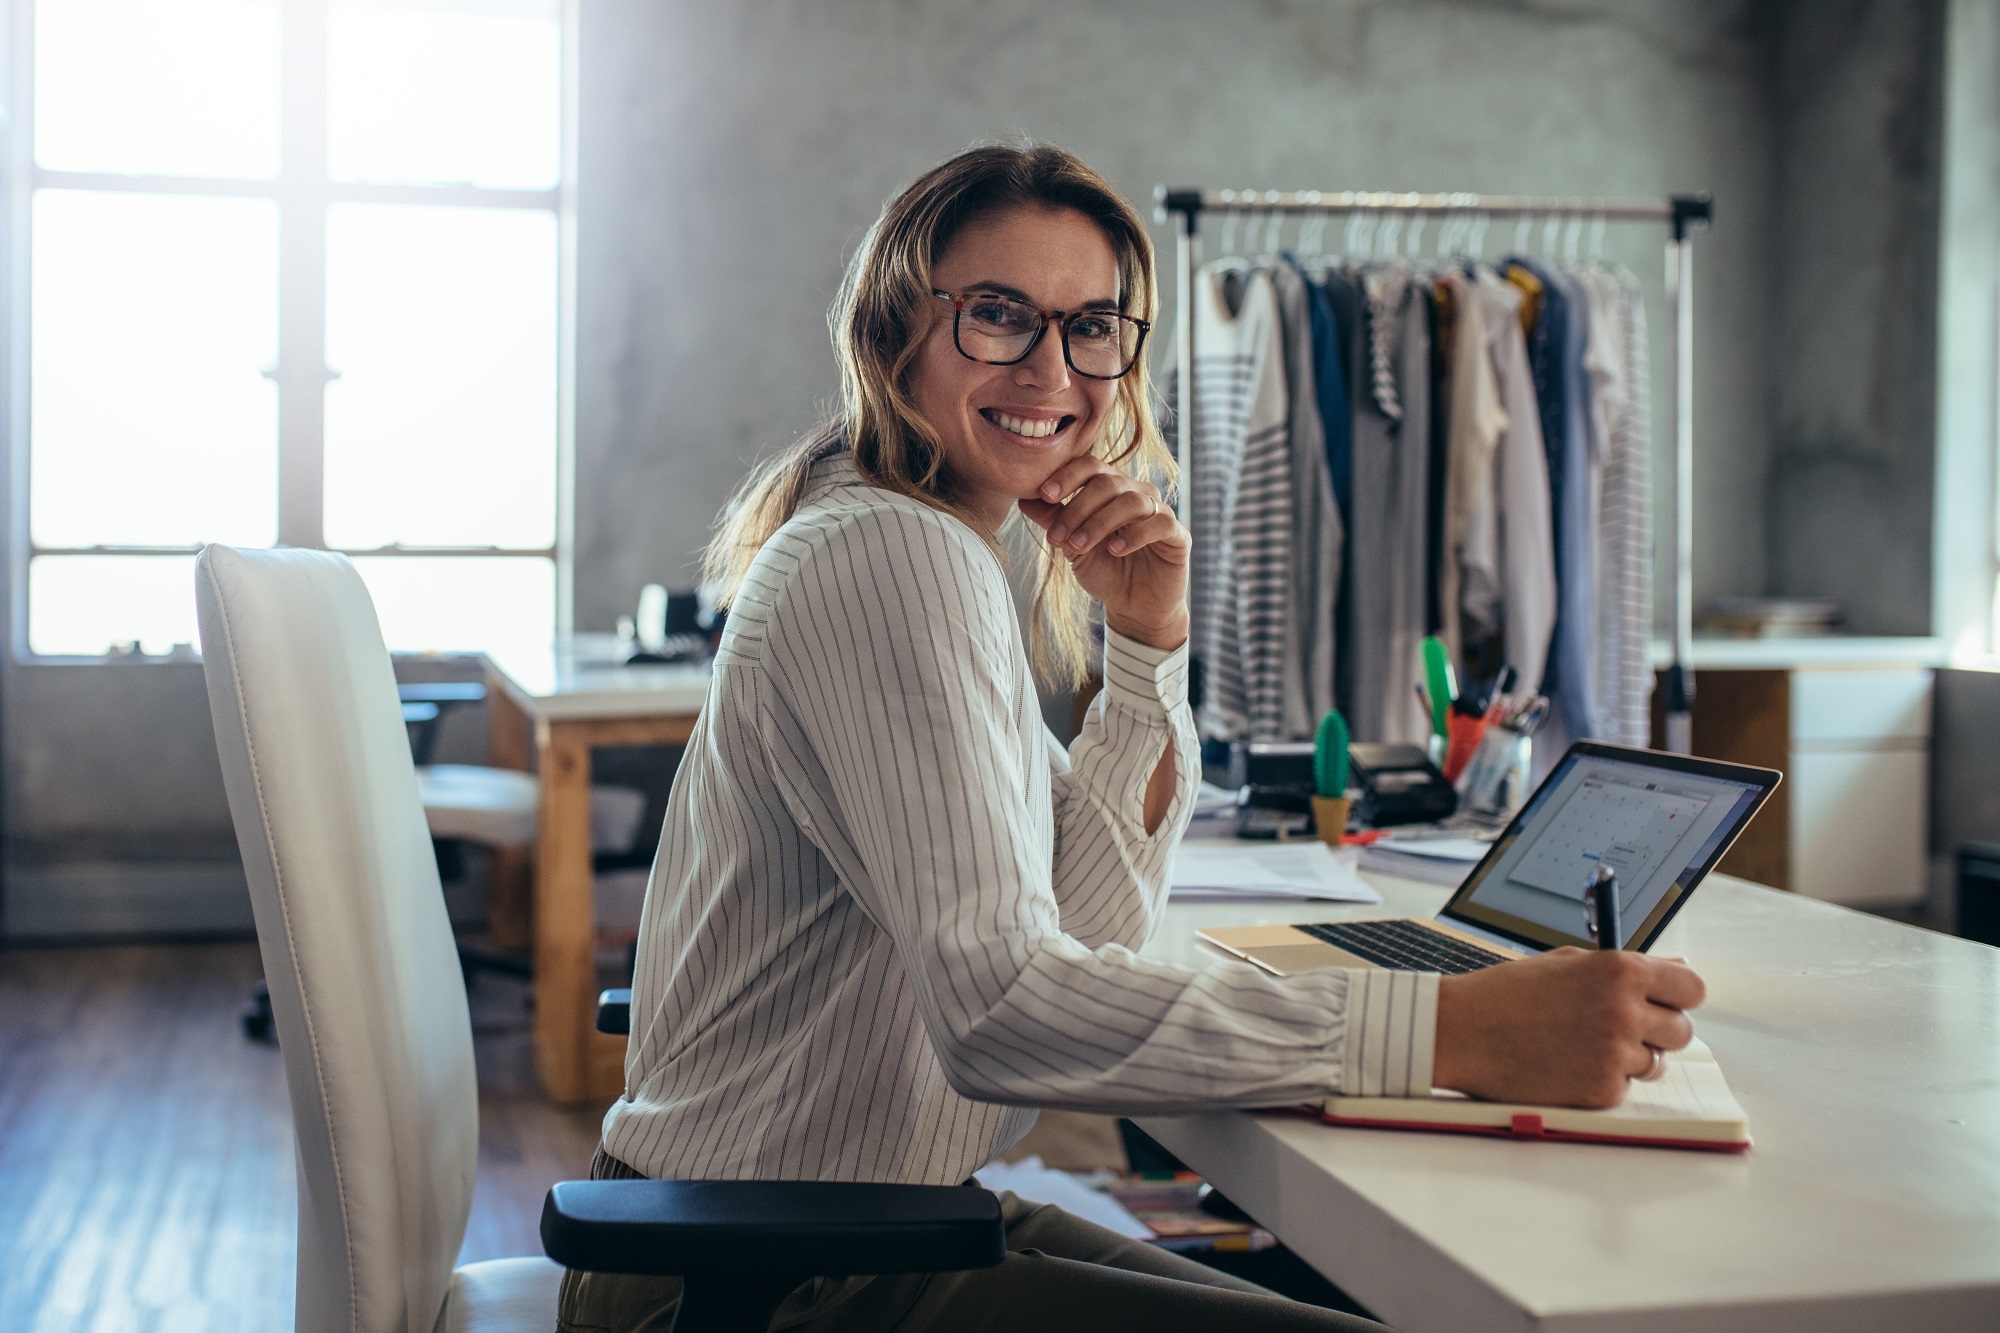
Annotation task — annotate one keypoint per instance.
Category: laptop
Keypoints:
(1661, 821)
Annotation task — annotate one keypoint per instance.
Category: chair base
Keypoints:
(259, 1024)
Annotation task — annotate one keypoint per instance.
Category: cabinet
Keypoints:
(1850, 823)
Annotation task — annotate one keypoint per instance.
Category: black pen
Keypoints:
(1600, 901)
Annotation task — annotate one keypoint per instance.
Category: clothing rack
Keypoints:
(1682, 214)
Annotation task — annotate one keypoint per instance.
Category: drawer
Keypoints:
(1860, 825)
(1835, 705)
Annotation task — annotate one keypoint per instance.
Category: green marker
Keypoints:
(1441, 682)
(1330, 757)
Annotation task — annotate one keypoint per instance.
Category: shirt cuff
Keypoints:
(1142, 678)
(1391, 1033)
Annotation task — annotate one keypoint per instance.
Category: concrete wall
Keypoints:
(1857, 120)
(733, 154)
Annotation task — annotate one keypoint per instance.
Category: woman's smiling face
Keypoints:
(1006, 428)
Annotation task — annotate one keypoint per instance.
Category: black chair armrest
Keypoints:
(614, 1012)
(756, 1227)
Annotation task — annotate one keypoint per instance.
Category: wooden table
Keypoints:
(547, 713)
(1868, 1057)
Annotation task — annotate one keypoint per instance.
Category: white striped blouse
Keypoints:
(890, 916)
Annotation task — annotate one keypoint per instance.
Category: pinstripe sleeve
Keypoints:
(1110, 877)
(893, 672)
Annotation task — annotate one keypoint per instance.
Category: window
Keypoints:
(295, 272)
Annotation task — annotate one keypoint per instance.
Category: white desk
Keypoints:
(1868, 1057)
(548, 711)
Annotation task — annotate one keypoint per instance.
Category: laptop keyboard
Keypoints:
(1405, 946)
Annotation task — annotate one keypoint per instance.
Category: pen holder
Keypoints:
(1330, 817)
(1461, 743)
(1495, 782)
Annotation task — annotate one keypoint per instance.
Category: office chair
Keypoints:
(377, 1045)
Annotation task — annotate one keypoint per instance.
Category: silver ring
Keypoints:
(1659, 1068)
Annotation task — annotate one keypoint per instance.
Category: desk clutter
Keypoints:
(1389, 808)
(1164, 1210)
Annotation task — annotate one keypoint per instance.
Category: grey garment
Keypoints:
(1240, 494)
(1061, 1275)
(1386, 539)
(1317, 531)
(1523, 540)
(1625, 531)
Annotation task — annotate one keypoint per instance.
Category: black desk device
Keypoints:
(1399, 785)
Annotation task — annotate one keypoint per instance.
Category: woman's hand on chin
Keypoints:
(1126, 546)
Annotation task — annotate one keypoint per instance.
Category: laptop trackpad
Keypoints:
(1285, 959)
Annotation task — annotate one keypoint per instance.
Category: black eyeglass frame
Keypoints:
(1062, 317)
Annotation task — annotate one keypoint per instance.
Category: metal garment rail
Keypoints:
(1682, 214)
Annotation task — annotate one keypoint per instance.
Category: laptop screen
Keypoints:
(1661, 821)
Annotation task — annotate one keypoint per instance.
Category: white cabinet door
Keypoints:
(1859, 825)
(1847, 706)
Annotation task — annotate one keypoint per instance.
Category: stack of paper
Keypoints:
(1230, 871)
(1434, 860)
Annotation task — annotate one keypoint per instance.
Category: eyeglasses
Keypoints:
(1001, 331)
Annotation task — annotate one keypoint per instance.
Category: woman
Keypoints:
(890, 916)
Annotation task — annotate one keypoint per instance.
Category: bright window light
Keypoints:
(181, 150)
(441, 430)
(442, 93)
(81, 605)
(498, 604)
(157, 87)
(152, 318)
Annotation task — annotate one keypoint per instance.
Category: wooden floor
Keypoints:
(146, 1177)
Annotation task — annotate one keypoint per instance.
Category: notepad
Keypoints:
(1689, 1107)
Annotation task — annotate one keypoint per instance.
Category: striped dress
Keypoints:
(1240, 485)
(890, 916)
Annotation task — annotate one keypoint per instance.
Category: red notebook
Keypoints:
(1689, 1107)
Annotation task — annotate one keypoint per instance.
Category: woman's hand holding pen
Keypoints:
(1127, 547)
(1565, 1028)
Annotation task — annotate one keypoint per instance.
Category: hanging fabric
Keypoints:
(1379, 449)
(1241, 487)
(1625, 530)
(1318, 531)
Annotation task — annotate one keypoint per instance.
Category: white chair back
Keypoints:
(357, 949)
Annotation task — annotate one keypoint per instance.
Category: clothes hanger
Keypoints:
(1391, 233)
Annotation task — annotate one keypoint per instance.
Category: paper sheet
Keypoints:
(1032, 1181)
(1440, 849)
(1287, 870)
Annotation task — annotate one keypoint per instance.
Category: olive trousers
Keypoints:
(1061, 1275)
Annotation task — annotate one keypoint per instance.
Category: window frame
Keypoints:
(303, 194)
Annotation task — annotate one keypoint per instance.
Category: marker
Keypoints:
(1600, 909)
(1442, 682)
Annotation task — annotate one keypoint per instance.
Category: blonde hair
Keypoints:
(883, 307)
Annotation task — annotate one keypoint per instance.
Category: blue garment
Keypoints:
(1330, 365)
(1556, 347)
(1348, 305)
